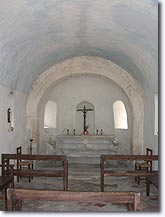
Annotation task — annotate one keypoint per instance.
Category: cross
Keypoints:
(9, 115)
(84, 111)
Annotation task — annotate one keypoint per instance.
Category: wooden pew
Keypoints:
(144, 165)
(23, 164)
(62, 172)
(6, 180)
(104, 171)
(16, 196)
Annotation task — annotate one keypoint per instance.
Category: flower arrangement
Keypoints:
(86, 130)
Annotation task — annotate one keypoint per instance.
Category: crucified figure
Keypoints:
(84, 111)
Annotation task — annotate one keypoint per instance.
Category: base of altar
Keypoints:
(85, 148)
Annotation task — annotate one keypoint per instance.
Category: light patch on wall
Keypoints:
(120, 115)
(156, 115)
(50, 115)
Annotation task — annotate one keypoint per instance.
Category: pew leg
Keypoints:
(65, 183)
(102, 174)
(65, 178)
(130, 207)
(18, 205)
(32, 169)
(147, 186)
(9, 200)
(102, 182)
(135, 170)
(29, 168)
(138, 178)
(17, 178)
(6, 198)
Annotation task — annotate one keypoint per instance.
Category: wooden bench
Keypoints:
(104, 171)
(154, 180)
(6, 180)
(23, 164)
(16, 196)
(144, 165)
(62, 172)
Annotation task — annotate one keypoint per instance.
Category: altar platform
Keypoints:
(85, 148)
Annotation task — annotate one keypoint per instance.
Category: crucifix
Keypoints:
(84, 111)
(9, 115)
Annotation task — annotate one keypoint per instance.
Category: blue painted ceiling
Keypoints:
(36, 34)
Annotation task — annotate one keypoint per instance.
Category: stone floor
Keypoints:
(86, 177)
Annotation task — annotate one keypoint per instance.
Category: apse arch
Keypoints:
(82, 66)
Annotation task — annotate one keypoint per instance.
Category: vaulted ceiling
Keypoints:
(37, 34)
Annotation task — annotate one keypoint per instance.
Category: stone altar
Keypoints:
(85, 148)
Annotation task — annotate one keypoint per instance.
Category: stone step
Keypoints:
(83, 160)
(86, 153)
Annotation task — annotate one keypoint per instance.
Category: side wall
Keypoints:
(150, 139)
(10, 140)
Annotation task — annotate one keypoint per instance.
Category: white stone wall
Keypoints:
(10, 140)
(99, 91)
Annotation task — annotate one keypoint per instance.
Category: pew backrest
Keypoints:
(62, 172)
(118, 172)
(16, 196)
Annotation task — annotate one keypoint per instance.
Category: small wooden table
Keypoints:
(6, 182)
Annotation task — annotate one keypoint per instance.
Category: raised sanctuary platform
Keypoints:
(86, 148)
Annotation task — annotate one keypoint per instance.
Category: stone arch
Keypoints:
(89, 65)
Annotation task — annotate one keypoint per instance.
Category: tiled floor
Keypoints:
(86, 177)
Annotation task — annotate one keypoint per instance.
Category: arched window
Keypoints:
(50, 115)
(120, 115)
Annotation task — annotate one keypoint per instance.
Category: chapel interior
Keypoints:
(79, 78)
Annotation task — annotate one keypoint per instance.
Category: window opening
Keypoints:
(50, 115)
(120, 115)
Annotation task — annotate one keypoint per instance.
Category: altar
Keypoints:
(86, 148)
